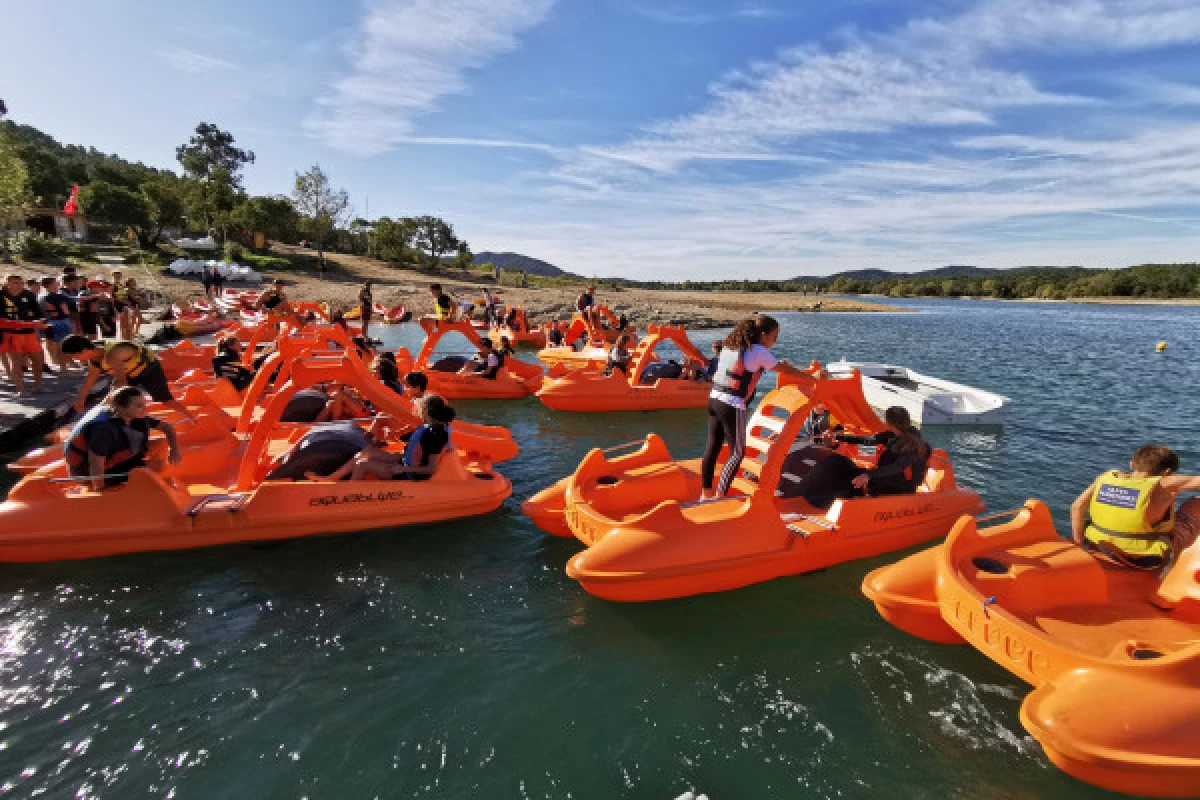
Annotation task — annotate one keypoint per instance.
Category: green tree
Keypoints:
(110, 204)
(275, 216)
(166, 200)
(14, 188)
(391, 240)
(214, 164)
(47, 180)
(211, 155)
(321, 207)
(435, 236)
(463, 257)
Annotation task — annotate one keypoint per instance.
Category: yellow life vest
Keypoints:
(447, 313)
(1118, 517)
(134, 365)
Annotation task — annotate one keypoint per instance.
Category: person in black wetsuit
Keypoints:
(899, 469)
(387, 372)
(227, 363)
(486, 363)
(419, 460)
(112, 439)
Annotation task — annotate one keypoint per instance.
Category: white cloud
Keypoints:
(407, 56)
(682, 14)
(191, 62)
(927, 74)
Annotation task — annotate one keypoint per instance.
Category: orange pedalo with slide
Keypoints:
(1113, 655)
(650, 384)
(647, 540)
(516, 379)
(220, 494)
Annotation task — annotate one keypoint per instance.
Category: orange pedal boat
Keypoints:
(220, 495)
(1113, 655)
(219, 408)
(520, 336)
(566, 389)
(647, 541)
(516, 379)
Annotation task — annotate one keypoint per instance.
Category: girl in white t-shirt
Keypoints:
(746, 355)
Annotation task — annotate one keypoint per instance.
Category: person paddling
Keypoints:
(1130, 517)
(127, 362)
(113, 439)
(745, 356)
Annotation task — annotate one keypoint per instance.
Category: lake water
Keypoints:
(458, 660)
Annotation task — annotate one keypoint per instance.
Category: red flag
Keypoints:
(72, 206)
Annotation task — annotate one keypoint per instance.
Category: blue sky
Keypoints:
(670, 138)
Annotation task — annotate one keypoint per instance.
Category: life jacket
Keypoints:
(584, 302)
(75, 451)
(17, 309)
(134, 365)
(433, 440)
(443, 307)
(1118, 517)
(120, 294)
(491, 373)
(732, 377)
(55, 306)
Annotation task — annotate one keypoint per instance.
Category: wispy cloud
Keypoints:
(681, 14)
(873, 162)
(191, 62)
(931, 73)
(407, 56)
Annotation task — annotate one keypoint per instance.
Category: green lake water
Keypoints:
(459, 661)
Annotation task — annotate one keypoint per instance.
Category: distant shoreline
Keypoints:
(1095, 301)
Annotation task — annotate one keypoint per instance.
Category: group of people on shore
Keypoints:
(38, 314)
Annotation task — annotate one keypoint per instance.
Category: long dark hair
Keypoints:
(750, 331)
(909, 439)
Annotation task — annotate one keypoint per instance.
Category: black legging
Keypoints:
(726, 423)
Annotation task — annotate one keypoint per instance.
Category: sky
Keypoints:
(669, 139)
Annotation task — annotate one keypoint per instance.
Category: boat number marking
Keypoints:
(900, 513)
(357, 497)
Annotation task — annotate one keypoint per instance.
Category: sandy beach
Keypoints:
(408, 287)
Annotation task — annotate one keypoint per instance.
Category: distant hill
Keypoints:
(533, 266)
(951, 271)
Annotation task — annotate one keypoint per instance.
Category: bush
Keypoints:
(36, 246)
(261, 263)
(234, 252)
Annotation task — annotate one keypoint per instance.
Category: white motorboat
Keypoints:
(929, 401)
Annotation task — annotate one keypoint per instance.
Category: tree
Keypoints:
(110, 204)
(321, 207)
(214, 164)
(463, 258)
(14, 188)
(211, 149)
(275, 216)
(392, 239)
(47, 180)
(436, 236)
(166, 205)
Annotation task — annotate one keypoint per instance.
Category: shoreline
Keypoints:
(1084, 301)
(394, 286)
